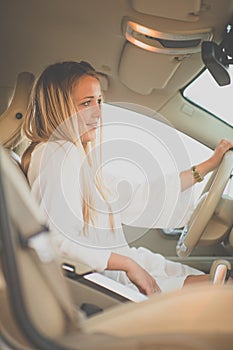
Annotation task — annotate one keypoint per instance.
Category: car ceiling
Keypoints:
(35, 33)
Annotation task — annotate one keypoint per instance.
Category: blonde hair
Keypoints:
(51, 104)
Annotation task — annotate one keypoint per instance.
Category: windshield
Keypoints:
(207, 94)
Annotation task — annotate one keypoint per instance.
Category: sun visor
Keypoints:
(141, 71)
(151, 56)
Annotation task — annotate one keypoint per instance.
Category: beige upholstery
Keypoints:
(202, 310)
(11, 119)
(193, 318)
(25, 218)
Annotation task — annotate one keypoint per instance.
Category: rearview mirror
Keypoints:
(216, 62)
(217, 58)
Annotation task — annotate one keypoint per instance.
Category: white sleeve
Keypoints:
(58, 188)
(158, 203)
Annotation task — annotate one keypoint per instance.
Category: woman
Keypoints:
(63, 171)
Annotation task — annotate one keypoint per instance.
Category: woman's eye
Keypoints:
(86, 103)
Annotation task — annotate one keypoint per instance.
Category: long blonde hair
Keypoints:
(51, 104)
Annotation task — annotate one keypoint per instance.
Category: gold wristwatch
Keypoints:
(196, 174)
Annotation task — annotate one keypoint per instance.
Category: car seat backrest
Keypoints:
(35, 282)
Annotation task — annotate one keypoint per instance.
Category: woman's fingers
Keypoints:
(145, 283)
(223, 146)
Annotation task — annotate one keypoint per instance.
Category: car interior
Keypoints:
(146, 53)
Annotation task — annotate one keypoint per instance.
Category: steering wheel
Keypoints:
(206, 206)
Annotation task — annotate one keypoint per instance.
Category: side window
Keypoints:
(141, 146)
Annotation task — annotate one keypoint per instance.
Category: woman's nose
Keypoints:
(96, 111)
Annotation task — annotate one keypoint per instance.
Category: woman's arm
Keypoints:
(187, 178)
(145, 283)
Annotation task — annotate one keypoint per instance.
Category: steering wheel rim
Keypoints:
(205, 208)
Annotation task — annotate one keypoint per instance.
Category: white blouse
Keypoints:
(58, 184)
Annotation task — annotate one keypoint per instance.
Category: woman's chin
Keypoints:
(90, 136)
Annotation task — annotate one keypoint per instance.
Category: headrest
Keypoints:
(11, 119)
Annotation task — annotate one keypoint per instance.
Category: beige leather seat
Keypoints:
(37, 311)
(12, 139)
(11, 119)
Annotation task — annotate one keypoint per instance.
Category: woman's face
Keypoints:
(88, 99)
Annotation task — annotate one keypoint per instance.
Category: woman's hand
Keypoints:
(187, 178)
(223, 146)
(145, 283)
